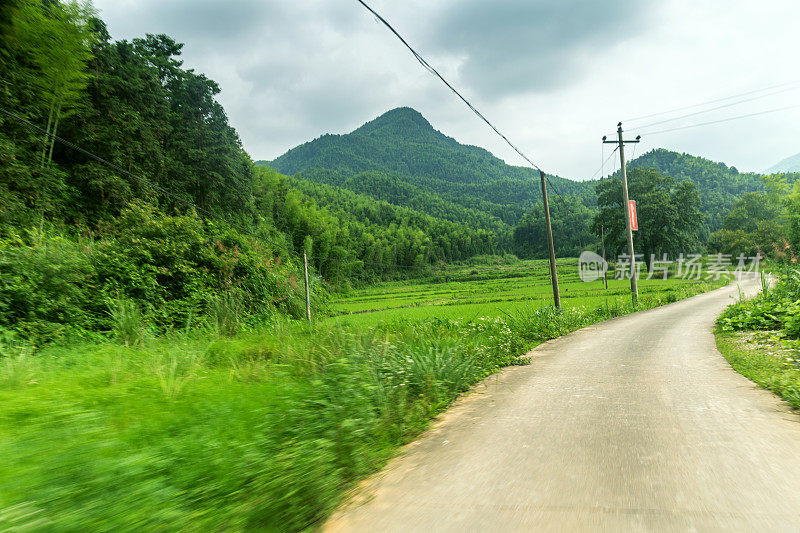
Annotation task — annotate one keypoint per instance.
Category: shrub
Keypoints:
(127, 321)
(175, 267)
(776, 308)
(47, 282)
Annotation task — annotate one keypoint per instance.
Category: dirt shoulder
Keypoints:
(765, 359)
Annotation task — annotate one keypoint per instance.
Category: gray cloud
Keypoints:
(206, 22)
(513, 46)
(288, 70)
(291, 70)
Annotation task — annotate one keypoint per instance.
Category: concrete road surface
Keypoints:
(635, 424)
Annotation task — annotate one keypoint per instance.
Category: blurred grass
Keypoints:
(263, 430)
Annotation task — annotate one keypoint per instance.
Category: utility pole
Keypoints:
(308, 292)
(626, 207)
(603, 248)
(553, 272)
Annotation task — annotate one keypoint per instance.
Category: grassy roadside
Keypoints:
(765, 360)
(266, 430)
(760, 337)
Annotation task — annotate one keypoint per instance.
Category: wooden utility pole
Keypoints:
(626, 207)
(553, 272)
(308, 292)
(603, 248)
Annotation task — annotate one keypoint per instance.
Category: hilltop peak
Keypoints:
(404, 121)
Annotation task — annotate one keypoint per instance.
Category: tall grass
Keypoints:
(127, 321)
(765, 282)
(224, 310)
(244, 440)
(264, 430)
(16, 360)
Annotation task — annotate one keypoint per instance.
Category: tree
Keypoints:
(57, 37)
(792, 206)
(719, 186)
(751, 209)
(754, 225)
(571, 222)
(668, 213)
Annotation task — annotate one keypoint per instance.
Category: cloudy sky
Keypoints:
(554, 76)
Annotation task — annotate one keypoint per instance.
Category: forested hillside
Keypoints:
(152, 206)
(401, 143)
(718, 185)
(399, 158)
(151, 203)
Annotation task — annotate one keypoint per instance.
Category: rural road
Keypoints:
(635, 424)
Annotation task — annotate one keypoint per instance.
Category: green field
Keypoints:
(267, 429)
(464, 293)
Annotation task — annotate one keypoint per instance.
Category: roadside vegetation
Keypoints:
(760, 337)
(266, 429)
(154, 370)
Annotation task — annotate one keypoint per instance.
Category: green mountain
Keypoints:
(181, 217)
(718, 185)
(400, 158)
(790, 164)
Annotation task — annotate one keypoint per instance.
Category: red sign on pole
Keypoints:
(632, 212)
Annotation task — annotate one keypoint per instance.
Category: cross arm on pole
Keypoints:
(629, 141)
(620, 140)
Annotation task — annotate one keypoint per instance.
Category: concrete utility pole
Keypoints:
(308, 292)
(553, 272)
(626, 207)
(603, 248)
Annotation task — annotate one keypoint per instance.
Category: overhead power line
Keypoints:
(672, 119)
(724, 120)
(795, 83)
(433, 71)
(553, 187)
(603, 164)
(543, 176)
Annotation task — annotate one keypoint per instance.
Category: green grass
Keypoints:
(760, 337)
(466, 292)
(262, 430)
(766, 361)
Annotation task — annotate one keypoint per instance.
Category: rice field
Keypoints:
(489, 290)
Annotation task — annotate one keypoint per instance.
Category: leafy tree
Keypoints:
(571, 223)
(749, 210)
(754, 225)
(718, 185)
(8, 14)
(792, 209)
(57, 37)
(668, 214)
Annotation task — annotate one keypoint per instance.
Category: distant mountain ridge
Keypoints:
(400, 158)
(790, 164)
(402, 144)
